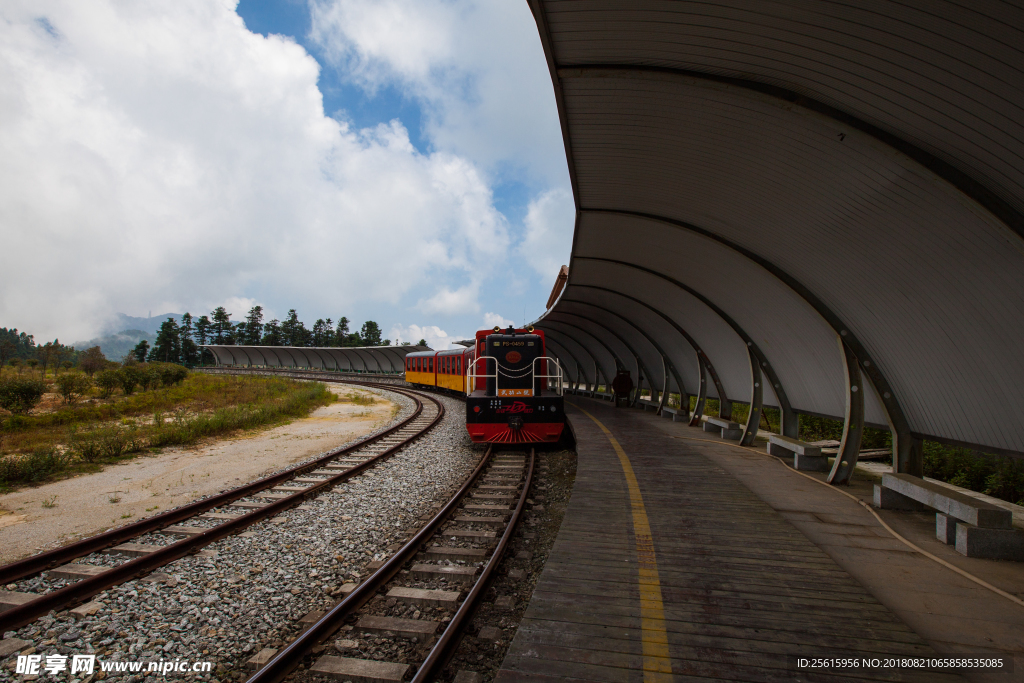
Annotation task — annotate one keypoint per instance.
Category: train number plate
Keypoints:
(515, 392)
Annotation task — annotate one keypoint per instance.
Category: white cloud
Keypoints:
(436, 338)
(492, 320)
(476, 67)
(159, 155)
(452, 302)
(547, 242)
(239, 307)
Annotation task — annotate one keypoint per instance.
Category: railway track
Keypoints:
(422, 597)
(205, 521)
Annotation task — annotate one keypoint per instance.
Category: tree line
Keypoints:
(19, 348)
(181, 342)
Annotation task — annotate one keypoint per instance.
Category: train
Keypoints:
(513, 389)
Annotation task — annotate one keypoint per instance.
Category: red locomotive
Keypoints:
(513, 389)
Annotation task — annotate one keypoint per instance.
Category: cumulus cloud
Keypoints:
(476, 67)
(452, 302)
(436, 338)
(492, 320)
(161, 156)
(547, 241)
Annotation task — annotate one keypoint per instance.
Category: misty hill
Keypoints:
(116, 346)
(122, 324)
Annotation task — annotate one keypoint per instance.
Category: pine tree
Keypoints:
(294, 332)
(221, 326)
(321, 333)
(140, 350)
(341, 334)
(167, 348)
(272, 335)
(370, 334)
(203, 327)
(189, 350)
(254, 326)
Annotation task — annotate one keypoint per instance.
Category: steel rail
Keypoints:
(449, 640)
(281, 665)
(76, 593)
(35, 564)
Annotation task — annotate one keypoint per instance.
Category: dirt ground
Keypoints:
(156, 482)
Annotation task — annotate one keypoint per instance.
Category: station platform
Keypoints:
(685, 557)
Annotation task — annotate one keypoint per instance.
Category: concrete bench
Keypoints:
(675, 413)
(728, 428)
(805, 456)
(977, 528)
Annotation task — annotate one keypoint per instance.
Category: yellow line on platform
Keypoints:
(657, 665)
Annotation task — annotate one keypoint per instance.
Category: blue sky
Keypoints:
(513, 187)
(292, 18)
(394, 160)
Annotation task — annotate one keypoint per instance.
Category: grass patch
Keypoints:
(78, 439)
(359, 399)
(183, 430)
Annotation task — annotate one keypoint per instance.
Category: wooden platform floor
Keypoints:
(744, 591)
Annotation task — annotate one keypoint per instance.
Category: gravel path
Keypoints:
(156, 481)
(247, 592)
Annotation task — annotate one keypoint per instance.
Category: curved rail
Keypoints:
(449, 640)
(278, 668)
(78, 592)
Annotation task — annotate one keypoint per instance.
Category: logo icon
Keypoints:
(513, 356)
(516, 407)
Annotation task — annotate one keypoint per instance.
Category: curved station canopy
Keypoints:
(822, 197)
(377, 359)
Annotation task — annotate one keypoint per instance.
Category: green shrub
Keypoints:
(107, 380)
(19, 395)
(72, 386)
(1007, 481)
(33, 467)
(106, 443)
(130, 377)
(993, 475)
(149, 377)
(171, 374)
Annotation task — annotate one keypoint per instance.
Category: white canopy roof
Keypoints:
(387, 359)
(781, 176)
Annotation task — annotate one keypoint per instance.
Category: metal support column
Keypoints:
(702, 394)
(790, 423)
(853, 427)
(639, 381)
(664, 384)
(756, 400)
